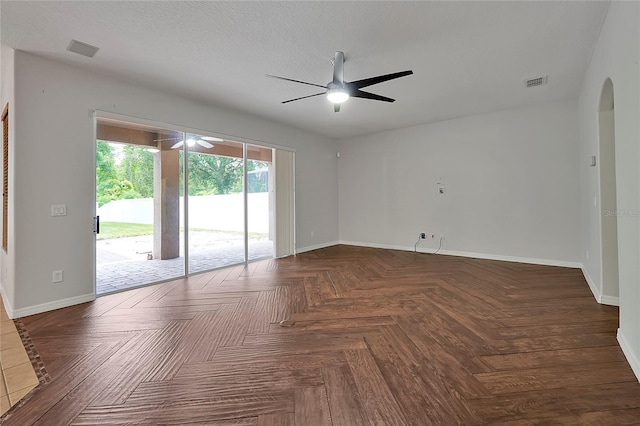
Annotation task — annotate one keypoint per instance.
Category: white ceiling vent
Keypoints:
(81, 48)
(538, 81)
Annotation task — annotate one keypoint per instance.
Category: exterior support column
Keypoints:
(166, 204)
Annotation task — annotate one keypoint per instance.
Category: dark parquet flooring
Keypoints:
(370, 337)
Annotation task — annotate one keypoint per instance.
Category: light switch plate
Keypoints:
(58, 210)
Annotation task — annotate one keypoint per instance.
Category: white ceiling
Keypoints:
(467, 57)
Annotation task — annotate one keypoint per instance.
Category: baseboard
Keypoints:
(50, 306)
(592, 285)
(7, 304)
(603, 299)
(516, 259)
(534, 261)
(633, 360)
(610, 300)
(316, 247)
(375, 245)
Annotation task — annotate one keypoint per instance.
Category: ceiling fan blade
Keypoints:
(336, 107)
(359, 84)
(338, 69)
(304, 97)
(204, 144)
(177, 145)
(295, 81)
(373, 96)
(168, 139)
(211, 139)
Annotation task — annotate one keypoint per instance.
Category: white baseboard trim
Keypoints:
(530, 260)
(603, 299)
(633, 360)
(7, 303)
(516, 259)
(592, 285)
(316, 247)
(375, 245)
(50, 306)
(610, 300)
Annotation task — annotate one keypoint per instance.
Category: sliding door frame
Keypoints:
(185, 202)
(245, 198)
(107, 115)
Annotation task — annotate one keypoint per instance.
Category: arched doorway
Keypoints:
(608, 202)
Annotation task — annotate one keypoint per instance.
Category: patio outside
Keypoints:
(126, 262)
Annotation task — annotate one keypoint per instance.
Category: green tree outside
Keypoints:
(129, 173)
(137, 168)
(213, 174)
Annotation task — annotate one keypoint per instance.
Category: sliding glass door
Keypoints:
(171, 203)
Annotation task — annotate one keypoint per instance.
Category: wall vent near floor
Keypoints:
(538, 81)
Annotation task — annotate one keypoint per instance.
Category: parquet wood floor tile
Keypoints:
(371, 337)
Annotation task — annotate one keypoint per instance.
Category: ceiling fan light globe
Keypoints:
(191, 142)
(337, 96)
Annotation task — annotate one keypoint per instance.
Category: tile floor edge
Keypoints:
(36, 363)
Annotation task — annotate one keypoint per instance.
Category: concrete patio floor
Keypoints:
(122, 262)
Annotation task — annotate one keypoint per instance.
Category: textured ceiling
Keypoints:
(467, 57)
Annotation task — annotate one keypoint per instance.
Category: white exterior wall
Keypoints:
(223, 212)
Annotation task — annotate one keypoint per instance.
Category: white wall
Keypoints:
(55, 165)
(615, 56)
(7, 259)
(511, 182)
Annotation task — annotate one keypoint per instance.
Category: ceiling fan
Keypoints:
(203, 141)
(338, 90)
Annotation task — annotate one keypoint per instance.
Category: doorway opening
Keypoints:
(608, 200)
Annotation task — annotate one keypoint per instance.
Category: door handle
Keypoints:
(96, 224)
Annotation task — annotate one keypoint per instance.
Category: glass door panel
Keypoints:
(260, 202)
(215, 203)
(137, 196)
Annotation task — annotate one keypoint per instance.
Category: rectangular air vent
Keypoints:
(81, 48)
(538, 81)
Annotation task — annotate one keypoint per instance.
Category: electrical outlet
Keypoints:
(58, 276)
(423, 235)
